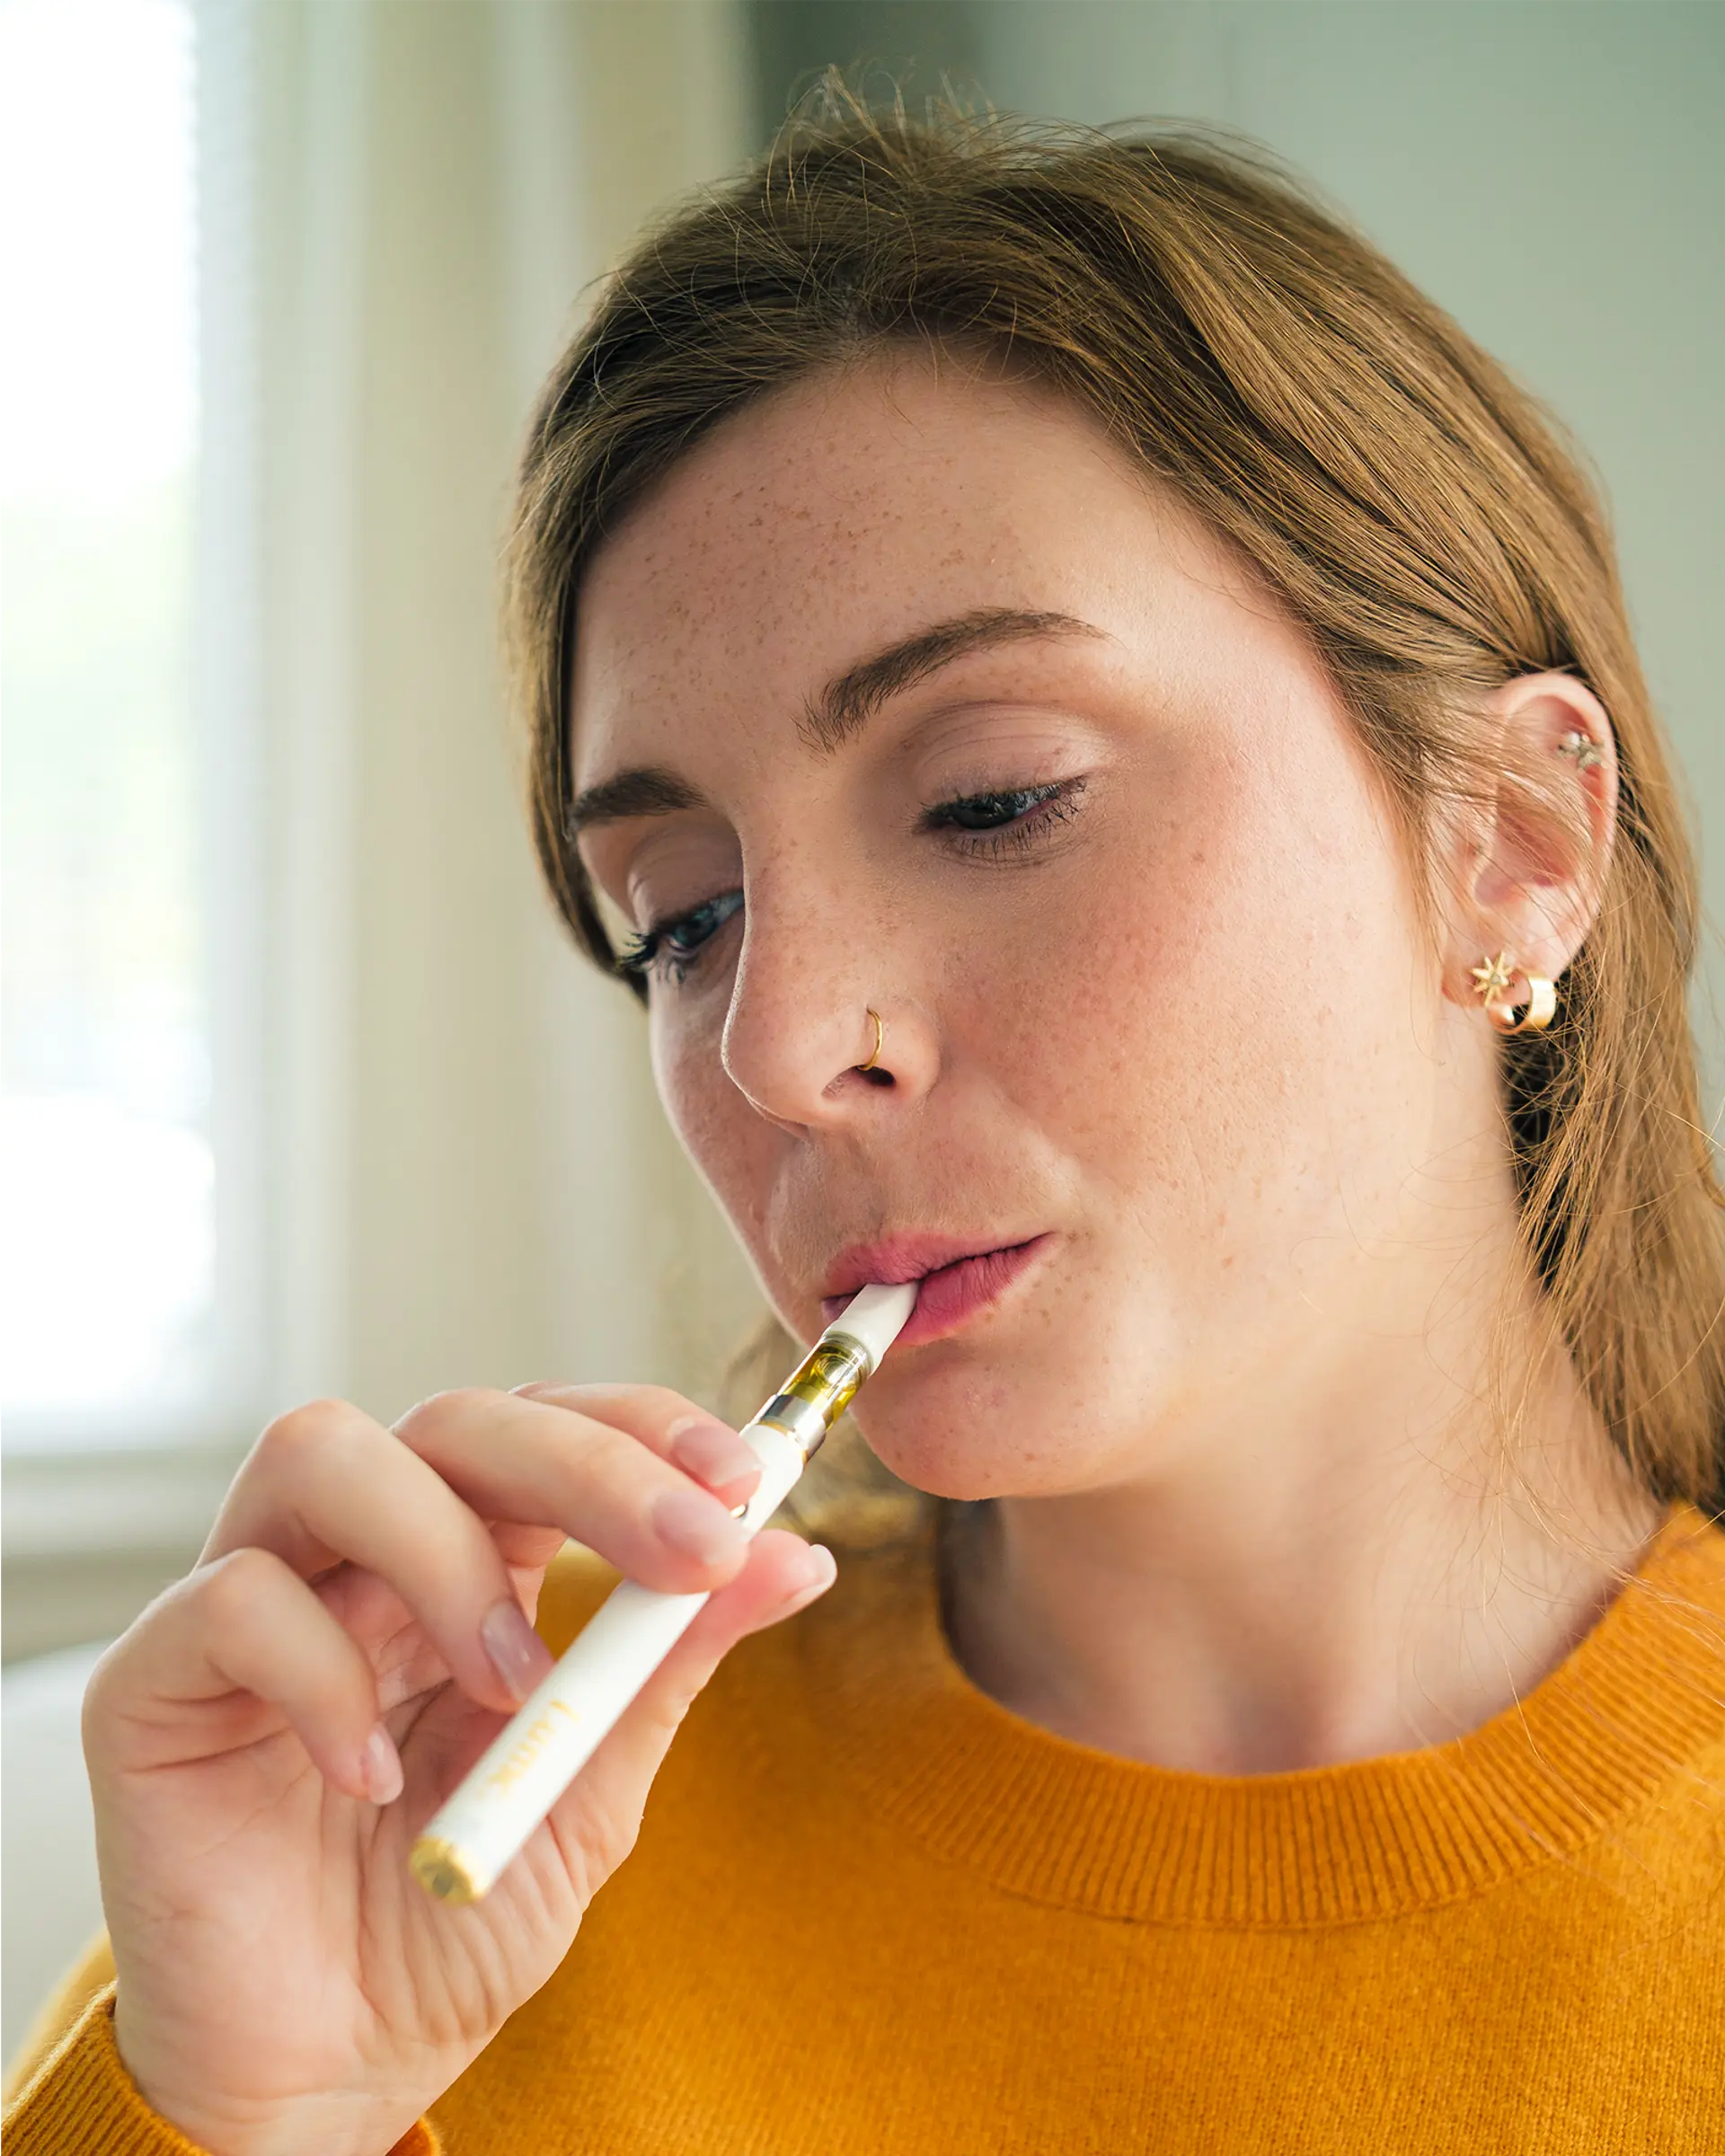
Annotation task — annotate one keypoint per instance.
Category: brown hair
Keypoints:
(1418, 512)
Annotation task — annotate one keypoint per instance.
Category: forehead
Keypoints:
(845, 513)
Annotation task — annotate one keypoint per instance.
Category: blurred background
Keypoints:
(304, 1091)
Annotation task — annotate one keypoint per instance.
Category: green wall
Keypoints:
(1553, 171)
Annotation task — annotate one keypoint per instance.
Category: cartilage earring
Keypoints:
(1584, 748)
(1494, 979)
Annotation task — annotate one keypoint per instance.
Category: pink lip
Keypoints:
(959, 1277)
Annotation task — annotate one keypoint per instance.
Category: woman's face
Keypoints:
(907, 692)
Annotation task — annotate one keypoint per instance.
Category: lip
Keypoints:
(960, 1275)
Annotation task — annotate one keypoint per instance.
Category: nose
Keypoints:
(815, 999)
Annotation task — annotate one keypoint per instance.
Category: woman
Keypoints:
(1105, 732)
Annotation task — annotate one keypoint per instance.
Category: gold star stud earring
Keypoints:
(1494, 978)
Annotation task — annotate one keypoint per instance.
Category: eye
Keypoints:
(1014, 816)
(672, 949)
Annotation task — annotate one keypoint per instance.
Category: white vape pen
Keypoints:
(533, 1759)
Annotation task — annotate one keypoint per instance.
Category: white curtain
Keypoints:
(465, 1177)
(441, 1159)
(473, 1183)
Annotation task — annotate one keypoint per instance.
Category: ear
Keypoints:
(1532, 871)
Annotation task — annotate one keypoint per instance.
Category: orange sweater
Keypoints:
(872, 1911)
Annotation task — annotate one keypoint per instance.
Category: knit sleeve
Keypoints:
(78, 2097)
(93, 1970)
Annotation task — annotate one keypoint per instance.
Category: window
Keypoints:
(121, 1266)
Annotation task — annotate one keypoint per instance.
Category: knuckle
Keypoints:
(605, 1836)
(595, 1464)
(444, 1414)
(604, 1449)
(643, 1407)
(662, 1406)
(230, 1589)
(617, 1841)
(106, 1685)
(305, 1430)
(671, 1706)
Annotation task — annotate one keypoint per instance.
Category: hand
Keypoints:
(268, 1739)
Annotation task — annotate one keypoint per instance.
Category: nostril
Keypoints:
(880, 1077)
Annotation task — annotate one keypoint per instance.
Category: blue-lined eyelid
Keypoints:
(670, 947)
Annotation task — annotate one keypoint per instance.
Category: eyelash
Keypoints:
(1031, 813)
(650, 955)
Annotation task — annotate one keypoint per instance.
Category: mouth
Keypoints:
(957, 1278)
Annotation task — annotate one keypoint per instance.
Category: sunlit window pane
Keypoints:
(106, 1257)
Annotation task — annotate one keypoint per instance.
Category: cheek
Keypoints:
(1307, 1094)
(732, 1149)
(1218, 1013)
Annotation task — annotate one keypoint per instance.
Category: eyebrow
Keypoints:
(843, 708)
(649, 791)
(848, 701)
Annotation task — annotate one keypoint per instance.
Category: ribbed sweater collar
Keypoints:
(1603, 1735)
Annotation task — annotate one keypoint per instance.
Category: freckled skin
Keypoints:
(1196, 1032)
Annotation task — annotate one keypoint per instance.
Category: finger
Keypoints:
(600, 1814)
(527, 1548)
(687, 1436)
(517, 1459)
(245, 1623)
(327, 1484)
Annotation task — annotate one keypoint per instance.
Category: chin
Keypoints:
(991, 1456)
(963, 1426)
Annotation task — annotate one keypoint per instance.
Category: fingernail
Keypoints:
(711, 1453)
(380, 1767)
(821, 1569)
(697, 1524)
(515, 1651)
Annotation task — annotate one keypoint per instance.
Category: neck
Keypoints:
(1363, 1560)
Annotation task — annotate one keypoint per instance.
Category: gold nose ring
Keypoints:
(879, 1034)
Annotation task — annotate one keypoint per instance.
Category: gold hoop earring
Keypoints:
(880, 1035)
(1493, 980)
